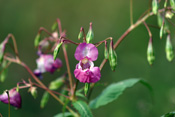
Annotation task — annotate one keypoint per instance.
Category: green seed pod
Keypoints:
(37, 39)
(155, 6)
(44, 99)
(86, 88)
(169, 49)
(80, 35)
(112, 57)
(57, 49)
(3, 71)
(172, 3)
(150, 52)
(161, 31)
(106, 54)
(90, 34)
(159, 20)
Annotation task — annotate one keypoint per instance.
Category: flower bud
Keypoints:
(155, 6)
(33, 92)
(150, 53)
(54, 85)
(169, 49)
(37, 39)
(80, 35)
(90, 34)
(15, 98)
(112, 57)
(106, 54)
(57, 49)
(172, 3)
(169, 14)
(86, 88)
(44, 99)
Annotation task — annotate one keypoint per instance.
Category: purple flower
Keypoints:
(46, 63)
(85, 71)
(15, 98)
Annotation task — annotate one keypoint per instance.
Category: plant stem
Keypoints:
(45, 30)
(77, 82)
(131, 13)
(149, 32)
(39, 82)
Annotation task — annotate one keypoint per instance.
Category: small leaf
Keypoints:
(37, 40)
(3, 71)
(54, 26)
(44, 99)
(56, 51)
(82, 108)
(114, 90)
(170, 114)
(56, 84)
(66, 114)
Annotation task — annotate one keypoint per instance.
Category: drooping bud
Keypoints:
(80, 35)
(56, 84)
(2, 49)
(172, 3)
(33, 92)
(169, 49)
(112, 57)
(90, 34)
(86, 88)
(57, 49)
(159, 19)
(3, 71)
(37, 39)
(15, 98)
(169, 14)
(44, 99)
(155, 6)
(54, 26)
(106, 54)
(150, 52)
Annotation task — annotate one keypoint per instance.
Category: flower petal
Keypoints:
(86, 50)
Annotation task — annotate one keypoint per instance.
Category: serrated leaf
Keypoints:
(113, 91)
(82, 108)
(44, 99)
(170, 114)
(66, 114)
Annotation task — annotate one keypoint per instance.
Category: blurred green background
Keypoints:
(110, 18)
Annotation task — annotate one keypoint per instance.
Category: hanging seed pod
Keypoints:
(106, 54)
(57, 49)
(169, 49)
(80, 35)
(112, 57)
(86, 88)
(150, 52)
(155, 6)
(37, 39)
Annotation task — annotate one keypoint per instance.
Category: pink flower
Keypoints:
(46, 63)
(85, 71)
(15, 98)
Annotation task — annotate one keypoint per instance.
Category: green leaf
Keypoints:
(56, 51)
(44, 99)
(3, 71)
(82, 108)
(170, 114)
(66, 114)
(56, 84)
(114, 90)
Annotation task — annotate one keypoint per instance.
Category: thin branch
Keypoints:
(149, 32)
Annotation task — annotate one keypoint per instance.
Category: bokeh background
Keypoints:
(110, 18)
